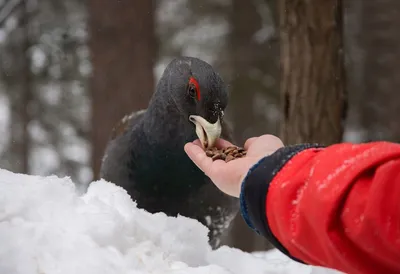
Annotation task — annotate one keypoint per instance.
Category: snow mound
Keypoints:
(47, 227)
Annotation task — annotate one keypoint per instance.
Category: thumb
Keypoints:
(269, 142)
(198, 156)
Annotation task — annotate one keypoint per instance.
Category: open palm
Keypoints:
(229, 176)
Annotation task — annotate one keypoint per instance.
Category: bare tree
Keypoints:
(17, 78)
(312, 71)
(254, 56)
(381, 81)
(27, 88)
(123, 50)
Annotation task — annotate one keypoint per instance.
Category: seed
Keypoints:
(209, 153)
(227, 154)
(217, 157)
(229, 158)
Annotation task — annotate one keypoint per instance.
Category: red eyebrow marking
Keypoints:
(196, 84)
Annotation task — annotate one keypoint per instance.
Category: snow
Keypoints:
(47, 227)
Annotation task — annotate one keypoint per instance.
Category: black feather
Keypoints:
(145, 153)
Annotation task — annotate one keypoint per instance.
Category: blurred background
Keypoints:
(70, 69)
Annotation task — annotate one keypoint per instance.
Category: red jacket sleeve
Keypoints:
(337, 207)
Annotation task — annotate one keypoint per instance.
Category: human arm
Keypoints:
(335, 207)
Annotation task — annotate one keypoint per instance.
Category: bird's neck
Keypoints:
(161, 136)
(164, 124)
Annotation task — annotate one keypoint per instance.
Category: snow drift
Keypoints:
(47, 227)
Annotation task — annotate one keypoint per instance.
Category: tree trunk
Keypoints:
(381, 42)
(123, 49)
(247, 55)
(27, 89)
(245, 22)
(312, 71)
(17, 77)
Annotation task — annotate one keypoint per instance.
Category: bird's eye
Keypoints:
(192, 91)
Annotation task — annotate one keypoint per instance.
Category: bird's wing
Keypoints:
(127, 121)
(113, 165)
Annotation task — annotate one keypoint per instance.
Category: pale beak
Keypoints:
(208, 133)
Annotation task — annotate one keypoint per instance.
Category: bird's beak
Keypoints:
(208, 133)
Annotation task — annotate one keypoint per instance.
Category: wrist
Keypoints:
(254, 190)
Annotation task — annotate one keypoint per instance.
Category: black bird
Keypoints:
(145, 153)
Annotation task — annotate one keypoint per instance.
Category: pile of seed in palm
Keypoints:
(227, 154)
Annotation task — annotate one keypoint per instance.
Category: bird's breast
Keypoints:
(164, 179)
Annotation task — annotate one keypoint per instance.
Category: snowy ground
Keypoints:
(46, 228)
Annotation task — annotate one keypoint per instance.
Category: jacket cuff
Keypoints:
(254, 191)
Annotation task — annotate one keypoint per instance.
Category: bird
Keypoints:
(145, 155)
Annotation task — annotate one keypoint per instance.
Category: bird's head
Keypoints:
(198, 93)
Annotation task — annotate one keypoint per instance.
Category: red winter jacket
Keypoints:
(337, 207)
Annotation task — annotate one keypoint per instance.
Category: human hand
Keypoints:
(228, 176)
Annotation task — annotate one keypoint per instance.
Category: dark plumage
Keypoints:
(145, 153)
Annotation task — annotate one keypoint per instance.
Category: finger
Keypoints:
(272, 140)
(197, 142)
(221, 143)
(212, 169)
(199, 157)
(249, 141)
